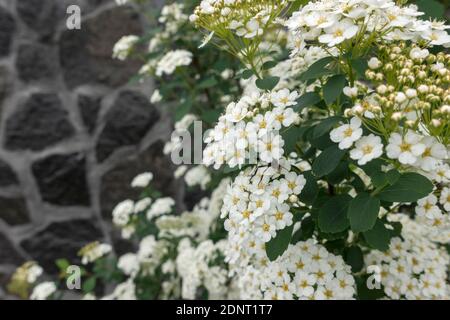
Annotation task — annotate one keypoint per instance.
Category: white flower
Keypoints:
(198, 175)
(34, 272)
(250, 30)
(347, 134)
(121, 213)
(445, 198)
(93, 251)
(283, 218)
(351, 92)
(43, 291)
(160, 206)
(142, 205)
(172, 60)
(427, 206)
(180, 171)
(156, 97)
(418, 54)
(270, 148)
(236, 111)
(406, 149)
(123, 47)
(142, 180)
(374, 63)
(366, 149)
(339, 32)
(433, 154)
(284, 98)
(129, 264)
(121, 2)
(294, 182)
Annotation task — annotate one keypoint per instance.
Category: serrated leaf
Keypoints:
(363, 212)
(333, 214)
(278, 245)
(327, 161)
(409, 187)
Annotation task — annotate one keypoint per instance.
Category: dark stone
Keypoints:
(129, 119)
(7, 29)
(86, 54)
(89, 108)
(5, 85)
(14, 211)
(35, 62)
(39, 123)
(62, 179)
(61, 240)
(8, 255)
(39, 15)
(7, 175)
(115, 184)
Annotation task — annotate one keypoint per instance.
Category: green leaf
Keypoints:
(211, 116)
(310, 190)
(340, 173)
(325, 126)
(327, 161)
(333, 214)
(333, 88)
(269, 65)
(183, 109)
(379, 237)
(318, 69)
(207, 83)
(363, 212)
(246, 74)
(307, 100)
(409, 187)
(62, 264)
(278, 245)
(267, 83)
(360, 66)
(305, 232)
(431, 8)
(89, 284)
(353, 256)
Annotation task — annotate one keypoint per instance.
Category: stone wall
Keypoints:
(73, 130)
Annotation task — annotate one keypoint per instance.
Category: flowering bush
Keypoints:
(327, 156)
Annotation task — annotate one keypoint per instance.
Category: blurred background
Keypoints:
(74, 131)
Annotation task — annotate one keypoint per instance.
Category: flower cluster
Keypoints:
(260, 202)
(244, 18)
(197, 266)
(305, 271)
(333, 23)
(93, 251)
(249, 130)
(413, 267)
(173, 60)
(124, 46)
